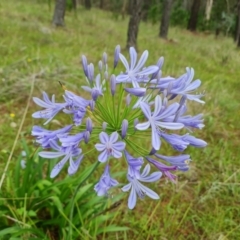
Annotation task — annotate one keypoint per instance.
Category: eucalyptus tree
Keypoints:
(135, 18)
(59, 13)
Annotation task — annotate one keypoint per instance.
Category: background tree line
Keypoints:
(219, 16)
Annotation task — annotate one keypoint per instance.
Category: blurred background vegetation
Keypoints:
(36, 55)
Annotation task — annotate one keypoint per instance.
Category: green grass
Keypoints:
(205, 202)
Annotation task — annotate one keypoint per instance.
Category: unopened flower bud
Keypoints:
(136, 121)
(92, 105)
(113, 84)
(95, 94)
(159, 76)
(89, 124)
(104, 58)
(116, 55)
(124, 128)
(86, 136)
(128, 99)
(91, 72)
(85, 65)
(104, 126)
(100, 65)
(159, 64)
(153, 151)
(106, 75)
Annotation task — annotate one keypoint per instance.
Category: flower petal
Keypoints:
(152, 177)
(146, 109)
(148, 191)
(104, 138)
(124, 61)
(133, 57)
(142, 126)
(127, 187)
(170, 125)
(100, 147)
(119, 146)
(58, 167)
(142, 61)
(158, 105)
(132, 199)
(51, 154)
(156, 143)
(116, 154)
(146, 171)
(149, 70)
(103, 156)
(114, 137)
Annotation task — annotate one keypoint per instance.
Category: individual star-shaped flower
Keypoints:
(105, 183)
(51, 107)
(134, 71)
(155, 119)
(135, 178)
(109, 146)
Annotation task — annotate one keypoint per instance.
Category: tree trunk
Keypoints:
(238, 25)
(59, 12)
(88, 4)
(192, 23)
(208, 10)
(101, 4)
(134, 23)
(167, 5)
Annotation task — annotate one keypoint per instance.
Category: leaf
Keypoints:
(111, 228)
(9, 230)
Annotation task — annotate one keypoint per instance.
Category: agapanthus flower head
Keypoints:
(129, 110)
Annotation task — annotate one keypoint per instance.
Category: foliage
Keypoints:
(179, 15)
(34, 206)
(154, 12)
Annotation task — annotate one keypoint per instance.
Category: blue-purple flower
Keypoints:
(137, 188)
(105, 183)
(44, 136)
(51, 110)
(97, 89)
(154, 120)
(71, 154)
(135, 71)
(165, 169)
(109, 146)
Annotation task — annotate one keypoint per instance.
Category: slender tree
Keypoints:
(238, 25)
(208, 9)
(192, 23)
(134, 23)
(59, 13)
(101, 5)
(167, 5)
(88, 4)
